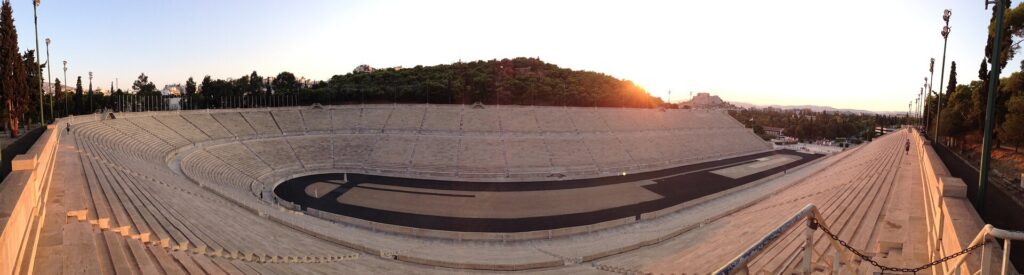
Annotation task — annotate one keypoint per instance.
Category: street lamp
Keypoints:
(66, 111)
(945, 37)
(49, 78)
(39, 70)
(993, 83)
(91, 109)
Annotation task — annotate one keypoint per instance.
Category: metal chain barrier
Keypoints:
(815, 224)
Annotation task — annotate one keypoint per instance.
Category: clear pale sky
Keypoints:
(870, 54)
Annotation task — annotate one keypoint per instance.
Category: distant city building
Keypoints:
(774, 131)
(706, 101)
(363, 69)
(172, 89)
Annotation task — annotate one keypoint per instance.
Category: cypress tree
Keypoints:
(12, 71)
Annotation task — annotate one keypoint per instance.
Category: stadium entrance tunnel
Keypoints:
(512, 207)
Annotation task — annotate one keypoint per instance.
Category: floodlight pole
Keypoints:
(49, 78)
(942, 73)
(39, 70)
(993, 83)
(931, 81)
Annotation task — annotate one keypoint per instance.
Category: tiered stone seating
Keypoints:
(436, 154)
(263, 123)
(569, 153)
(317, 120)
(393, 151)
(518, 119)
(184, 128)
(240, 157)
(585, 121)
(554, 120)
(275, 152)
(608, 151)
(405, 119)
(158, 129)
(528, 154)
(209, 126)
(346, 120)
(445, 119)
(352, 150)
(313, 151)
(480, 120)
(290, 121)
(623, 119)
(235, 123)
(482, 155)
(373, 119)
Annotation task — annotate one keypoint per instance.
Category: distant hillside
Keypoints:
(518, 81)
(816, 108)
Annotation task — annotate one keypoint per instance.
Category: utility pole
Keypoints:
(993, 83)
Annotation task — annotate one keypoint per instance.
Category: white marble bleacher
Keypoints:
(158, 129)
(149, 146)
(478, 121)
(516, 119)
(240, 157)
(208, 125)
(183, 127)
(482, 155)
(289, 121)
(374, 117)
(406, 119)
(346, 119)
(442, 119)
(642, 148)
(352, 151)
(554, 119)
(623, 119)
(313, 151)
(588, 119)
(263, 123)
(527, 154)
(393, 152)
(436, 155)
(275, 152)
(317, 120)
(608, 151)
(569, 153)
(235, 124)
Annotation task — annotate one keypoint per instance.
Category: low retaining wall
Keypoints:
(952, 220)
(23, 202)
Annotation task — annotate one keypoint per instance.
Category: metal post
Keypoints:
(809, 244)
(50, 79)
(993, 84)
(942, 72)
(931, 89)
(39, 70)
(1006, 255)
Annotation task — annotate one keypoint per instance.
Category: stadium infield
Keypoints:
(508, 207)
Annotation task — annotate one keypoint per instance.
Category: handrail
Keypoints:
(983, 238)
(814, 219)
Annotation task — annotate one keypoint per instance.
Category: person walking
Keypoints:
(908, 147)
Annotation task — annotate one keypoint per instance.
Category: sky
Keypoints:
(868, 54)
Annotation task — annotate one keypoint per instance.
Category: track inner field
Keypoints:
(672, 186)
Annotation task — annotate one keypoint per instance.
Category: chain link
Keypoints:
(868, 259)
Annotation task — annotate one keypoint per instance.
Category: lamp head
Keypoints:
(946, 14)
(47, 41)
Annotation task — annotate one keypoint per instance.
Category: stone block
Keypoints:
(23, 162)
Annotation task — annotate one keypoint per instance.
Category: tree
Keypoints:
(255, 84)
(28, 60)
(143, 87)
(190, 87)
(15, 89)
(78, 97)
(285, 83)
(1013, 128)
(952, 78)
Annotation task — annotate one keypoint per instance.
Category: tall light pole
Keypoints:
(91, 109)
(924, 107)
(942, 73)
(931, 90)
(66, 111)
(39, 69)
(49, 78)
(993, 83)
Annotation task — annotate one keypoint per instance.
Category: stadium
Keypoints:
(422, 188)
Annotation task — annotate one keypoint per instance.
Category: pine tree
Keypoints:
(78, 97)
(12, 71)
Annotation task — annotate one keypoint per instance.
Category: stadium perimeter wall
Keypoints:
(23, 196)
(952, 221)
